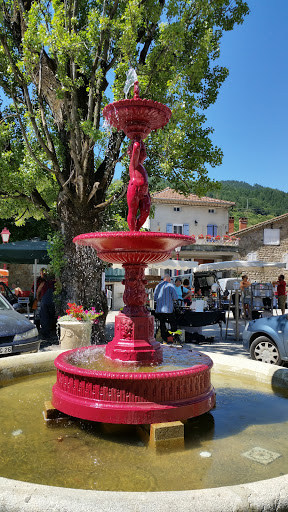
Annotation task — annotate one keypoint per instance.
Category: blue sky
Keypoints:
(250, 117)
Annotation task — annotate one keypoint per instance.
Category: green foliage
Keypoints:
(56, 62)
(255, 202)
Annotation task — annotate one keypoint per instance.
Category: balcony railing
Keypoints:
(217, 240)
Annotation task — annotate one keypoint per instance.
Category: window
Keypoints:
(179, 229)
(211, 211)
(271, 237)
(177, 209)
(285, 259)
(212, 230)
(252, 256)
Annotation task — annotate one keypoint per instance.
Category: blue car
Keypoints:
(267, 339)
(17, 333)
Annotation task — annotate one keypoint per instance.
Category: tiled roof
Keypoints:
(168, 195)
(284, 216)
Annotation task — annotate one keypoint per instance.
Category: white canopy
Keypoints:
(239, 265)
(170, 264)
(176, 265)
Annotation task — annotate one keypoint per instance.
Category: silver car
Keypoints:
(17, 333)
(267, 339)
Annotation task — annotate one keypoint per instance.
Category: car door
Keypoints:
(285, 336)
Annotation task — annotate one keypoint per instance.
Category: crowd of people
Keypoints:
(168, 294)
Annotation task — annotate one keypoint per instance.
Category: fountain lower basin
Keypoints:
(132, 395)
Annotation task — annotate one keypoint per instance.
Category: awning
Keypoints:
(25, 251)
(170, 265)
(239, 265)
(176, 265)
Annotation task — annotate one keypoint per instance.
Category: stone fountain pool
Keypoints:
(215, 452)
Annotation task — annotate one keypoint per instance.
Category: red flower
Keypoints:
(79, 314)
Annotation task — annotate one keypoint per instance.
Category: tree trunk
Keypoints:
(82, 275)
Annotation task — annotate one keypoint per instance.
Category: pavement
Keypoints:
(224, 342)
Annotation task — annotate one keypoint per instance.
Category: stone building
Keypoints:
(266, 241)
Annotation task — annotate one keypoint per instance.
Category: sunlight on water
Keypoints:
(84, 455)
(93, 358)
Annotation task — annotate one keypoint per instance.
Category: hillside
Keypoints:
(255, 202)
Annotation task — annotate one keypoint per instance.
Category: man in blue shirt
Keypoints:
(181, 291)
(165, 294)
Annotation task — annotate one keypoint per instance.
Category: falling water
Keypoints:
(130, 79)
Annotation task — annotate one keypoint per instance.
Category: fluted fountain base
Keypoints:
(131, 397)
(134, 340)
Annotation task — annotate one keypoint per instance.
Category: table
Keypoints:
(187, 318)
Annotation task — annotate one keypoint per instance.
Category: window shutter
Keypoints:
(186, 229)
(169, 228)
(210, 229)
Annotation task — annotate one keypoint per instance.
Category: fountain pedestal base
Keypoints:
(134, 340)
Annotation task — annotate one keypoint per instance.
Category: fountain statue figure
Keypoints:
(138, 197)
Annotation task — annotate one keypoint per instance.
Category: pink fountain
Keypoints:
(115, 386)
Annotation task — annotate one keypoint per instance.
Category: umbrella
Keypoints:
(239, 265)
(176, 265)
(26, 251)
(170, 264)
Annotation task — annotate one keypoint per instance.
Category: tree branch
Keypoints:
(115, 197)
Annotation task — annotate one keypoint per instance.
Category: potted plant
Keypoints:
(208, 237)
(218, 237)
(76, 326)
(201, 237)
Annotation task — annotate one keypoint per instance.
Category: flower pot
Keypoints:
(75, 334)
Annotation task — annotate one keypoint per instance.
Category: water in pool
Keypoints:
(84, 455)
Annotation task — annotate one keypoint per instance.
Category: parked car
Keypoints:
(267, 339)
(17, 333)
(8, 294)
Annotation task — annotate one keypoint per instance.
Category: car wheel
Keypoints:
(264, 350)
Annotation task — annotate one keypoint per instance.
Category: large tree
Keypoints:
(57, 62)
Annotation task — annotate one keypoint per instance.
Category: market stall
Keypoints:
(260, 293)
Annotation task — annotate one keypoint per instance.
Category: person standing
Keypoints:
(44, 294)
(281, 292)
(246, 296)
(188, 298)
(165, 294)
(182, 292)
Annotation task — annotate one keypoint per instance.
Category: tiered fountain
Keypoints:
(133, 397)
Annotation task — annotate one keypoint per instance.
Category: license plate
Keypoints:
(5, 350)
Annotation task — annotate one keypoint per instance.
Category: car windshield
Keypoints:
(3, 303)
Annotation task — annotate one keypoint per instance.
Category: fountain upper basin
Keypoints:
(134, 246)
(137, 117)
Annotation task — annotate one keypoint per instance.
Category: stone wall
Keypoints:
(21, 275)
(252, 241)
